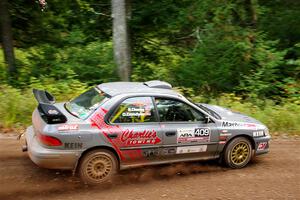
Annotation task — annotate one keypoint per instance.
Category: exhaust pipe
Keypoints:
(24, 148)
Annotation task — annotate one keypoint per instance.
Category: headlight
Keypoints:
(266, 131)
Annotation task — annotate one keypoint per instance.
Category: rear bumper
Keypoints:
(49, 158)
(262, 145)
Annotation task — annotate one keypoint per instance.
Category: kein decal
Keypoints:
(73, 145)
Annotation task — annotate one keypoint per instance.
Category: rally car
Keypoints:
(120, 125)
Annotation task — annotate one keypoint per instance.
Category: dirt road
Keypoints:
(272, 176)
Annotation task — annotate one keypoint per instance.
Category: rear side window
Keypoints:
(176, 111)
(83, 105)
(134, 110)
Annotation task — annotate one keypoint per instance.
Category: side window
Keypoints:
(172, 110)
(134, 110)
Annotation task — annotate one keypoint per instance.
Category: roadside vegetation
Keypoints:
(243, 54)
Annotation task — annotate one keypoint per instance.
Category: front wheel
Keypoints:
(238, 153)
(97, 167)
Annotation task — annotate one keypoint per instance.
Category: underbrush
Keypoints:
(16, 105)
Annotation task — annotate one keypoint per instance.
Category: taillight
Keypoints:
(49, 140)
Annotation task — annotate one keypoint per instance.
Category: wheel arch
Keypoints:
(252, 142)
(108, 148)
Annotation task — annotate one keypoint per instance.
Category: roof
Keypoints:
(157, 87)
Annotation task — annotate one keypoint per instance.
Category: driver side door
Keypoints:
(186, 134)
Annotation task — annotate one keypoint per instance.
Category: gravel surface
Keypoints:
(272, 176)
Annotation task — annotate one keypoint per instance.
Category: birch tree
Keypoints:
(122, 54)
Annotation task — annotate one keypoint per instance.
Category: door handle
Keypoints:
(170, 133)
(113, 136)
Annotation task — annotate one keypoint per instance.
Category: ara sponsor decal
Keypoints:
(68, 127)
(129, 137)
(191, 149)
(258, 133)
(262, 145)
(185, 133)
(228, 124)
(193, 135)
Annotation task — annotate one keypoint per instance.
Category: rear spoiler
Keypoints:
(48, 111)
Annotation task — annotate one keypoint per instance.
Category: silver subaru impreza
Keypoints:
(120, 125)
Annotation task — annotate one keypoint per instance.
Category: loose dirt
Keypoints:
(272, 176)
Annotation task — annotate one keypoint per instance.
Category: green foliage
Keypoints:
(158, 61)
(16, 105)
(280, 118)
(207, 48)
(91, 63)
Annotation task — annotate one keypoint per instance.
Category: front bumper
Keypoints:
(262, 145)
(49, 158)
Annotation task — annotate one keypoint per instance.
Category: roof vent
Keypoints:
(158, 84)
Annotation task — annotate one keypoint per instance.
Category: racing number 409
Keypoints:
(199, 132)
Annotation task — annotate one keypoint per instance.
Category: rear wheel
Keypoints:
(98, 167)
(238, 153)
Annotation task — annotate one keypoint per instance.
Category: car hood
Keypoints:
(229, 115)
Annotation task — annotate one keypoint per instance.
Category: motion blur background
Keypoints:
(242, 54)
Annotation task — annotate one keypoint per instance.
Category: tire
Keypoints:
(98, 167)
(238, 153)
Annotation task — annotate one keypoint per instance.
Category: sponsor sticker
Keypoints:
(223, 137)
(129, 137)
(150, 153)
(262, 145)
(138, 109)
(73, 145)
(258, 133)
(191, 149)
(52, 112)
(186, 135)
(68, 127)
(238, 125)
(169, 151)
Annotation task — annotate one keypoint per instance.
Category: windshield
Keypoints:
(83, 105)
(209, 111)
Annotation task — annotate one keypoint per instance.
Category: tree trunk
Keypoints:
(7, 39)
(122, 52)
(250, 7)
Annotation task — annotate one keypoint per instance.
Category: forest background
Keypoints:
(241, 54)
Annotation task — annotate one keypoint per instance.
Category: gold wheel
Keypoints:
(240, 153)
(99, 167)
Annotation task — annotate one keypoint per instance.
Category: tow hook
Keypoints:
(24, 148)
